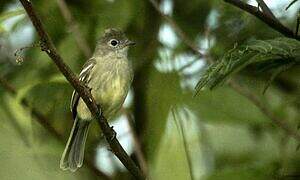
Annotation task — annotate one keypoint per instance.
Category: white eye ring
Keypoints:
(113, 42)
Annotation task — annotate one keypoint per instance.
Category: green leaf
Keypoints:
(278, 53)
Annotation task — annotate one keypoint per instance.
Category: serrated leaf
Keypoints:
(277, 53)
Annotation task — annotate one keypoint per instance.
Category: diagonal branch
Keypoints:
(109, 133)
(84, 47)
(266, 9)
(45, 123)
(274, 24)
(245, 92)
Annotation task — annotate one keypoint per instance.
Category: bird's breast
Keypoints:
(110, 84)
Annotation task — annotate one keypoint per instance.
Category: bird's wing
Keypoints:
(84, 76)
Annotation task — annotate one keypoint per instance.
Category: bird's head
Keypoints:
(113, 40)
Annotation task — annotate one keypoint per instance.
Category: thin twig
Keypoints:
(19, 57)
(45, 123)
(73, 26)
(84, 93)
(177, 29)
(243, 91)
(266, 9)
(276, 25)
(82, 44)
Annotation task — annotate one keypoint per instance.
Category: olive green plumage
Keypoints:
(109, 75)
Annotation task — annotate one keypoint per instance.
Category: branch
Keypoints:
(73, 26)
(274, 24)
(266, 9)
(45, 123)
(245, 92)
(83, 46)
(109, 133)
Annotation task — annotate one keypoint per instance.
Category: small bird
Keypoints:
(108, 75)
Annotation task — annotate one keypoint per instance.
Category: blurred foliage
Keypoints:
(8, 15)
(227, 136)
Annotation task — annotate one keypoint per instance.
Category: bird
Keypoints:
(108, 75)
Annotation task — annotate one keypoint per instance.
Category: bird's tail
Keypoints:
(72, 157)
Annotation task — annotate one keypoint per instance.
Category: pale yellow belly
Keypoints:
(109, 88)
(110, 97)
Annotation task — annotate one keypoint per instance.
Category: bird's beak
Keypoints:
(129, 43)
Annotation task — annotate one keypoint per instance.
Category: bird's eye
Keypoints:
(113, 42)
